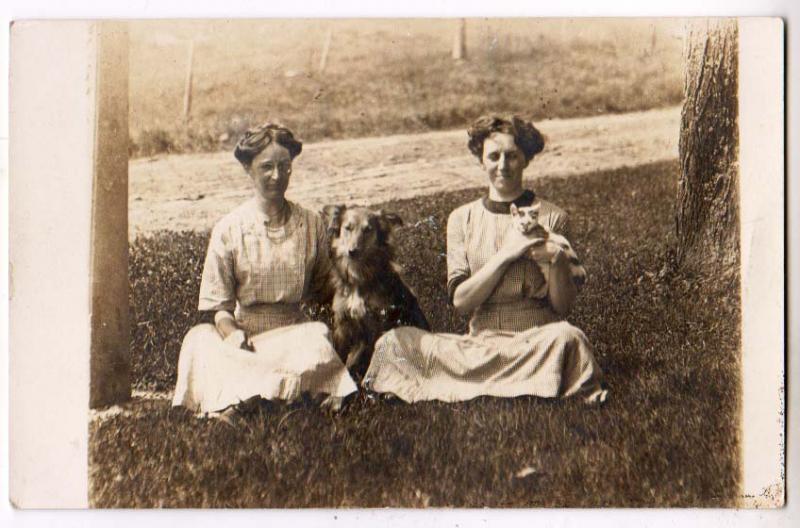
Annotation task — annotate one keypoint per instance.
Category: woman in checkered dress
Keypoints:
(518, 342)
(264, 258)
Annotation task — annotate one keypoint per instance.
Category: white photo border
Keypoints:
(94, 9)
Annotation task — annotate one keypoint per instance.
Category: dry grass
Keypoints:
(669, 348)
(389, 76)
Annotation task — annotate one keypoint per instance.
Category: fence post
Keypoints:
(187, 91)
(326, 47)
(460, 41)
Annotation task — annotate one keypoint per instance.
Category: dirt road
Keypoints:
(192, 191)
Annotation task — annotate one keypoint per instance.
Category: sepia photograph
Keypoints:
(418, 263)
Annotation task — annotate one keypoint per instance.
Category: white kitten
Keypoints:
(526, 221)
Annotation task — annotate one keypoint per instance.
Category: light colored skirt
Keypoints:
(289, 361)
(552, 360)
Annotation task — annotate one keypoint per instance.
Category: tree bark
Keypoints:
(707, 216)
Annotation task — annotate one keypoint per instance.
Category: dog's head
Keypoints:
(359, 233)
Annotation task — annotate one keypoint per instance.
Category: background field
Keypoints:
(669, 346)
(388, 76)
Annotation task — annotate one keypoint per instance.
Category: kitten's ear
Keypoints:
(514, 210)
(332, 214)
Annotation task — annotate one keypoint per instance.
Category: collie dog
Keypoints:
(369, 298)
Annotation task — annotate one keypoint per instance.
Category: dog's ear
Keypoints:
(386, 223)
(332, 214)
(389, 221)
(513, 209)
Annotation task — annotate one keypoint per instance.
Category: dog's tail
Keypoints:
(417, 317)
(413, 314)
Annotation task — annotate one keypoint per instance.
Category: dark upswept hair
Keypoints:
(529, 140)
(255, 140)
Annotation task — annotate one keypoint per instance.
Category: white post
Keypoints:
(68, 335)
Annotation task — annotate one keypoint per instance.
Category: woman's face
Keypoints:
(271, 170)
(504, 162)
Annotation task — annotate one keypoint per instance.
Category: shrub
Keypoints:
(150, 142)
(164, 274)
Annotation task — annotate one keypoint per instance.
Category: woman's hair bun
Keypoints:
(256, 139)
(526, 136)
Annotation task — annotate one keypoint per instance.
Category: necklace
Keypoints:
(278, 219)
(277, 228)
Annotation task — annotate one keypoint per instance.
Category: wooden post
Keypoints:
(187, 90)
(653, 39)
(110, 379)
(326, 47)
(460, 41)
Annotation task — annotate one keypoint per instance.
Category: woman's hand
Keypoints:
(478, 287)
(239, 339)
(475, 290)
(516, 245)
(545, 253)
(231, 333)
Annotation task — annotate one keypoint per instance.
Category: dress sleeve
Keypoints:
(457, 266)
(218, 284)
(320, 289)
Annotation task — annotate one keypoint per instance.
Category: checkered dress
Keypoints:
(261, 275)
(516, 344)
(475, 235)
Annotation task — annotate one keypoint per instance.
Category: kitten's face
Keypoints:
(525, 218)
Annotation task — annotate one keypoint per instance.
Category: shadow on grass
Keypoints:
(670, 351)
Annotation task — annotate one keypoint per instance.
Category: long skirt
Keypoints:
(289, 361)
(552, 360)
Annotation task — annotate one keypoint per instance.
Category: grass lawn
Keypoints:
(669, 348)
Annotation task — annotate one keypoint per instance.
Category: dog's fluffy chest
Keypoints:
(355, 305)
(351, 303)
(360, 306)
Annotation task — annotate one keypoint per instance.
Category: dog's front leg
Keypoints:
(348, 341)
(355, 357)
(342, 340)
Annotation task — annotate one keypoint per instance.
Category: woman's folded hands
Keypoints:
(238, 339)
(231, 334)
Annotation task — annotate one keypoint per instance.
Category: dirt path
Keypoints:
(192, 191)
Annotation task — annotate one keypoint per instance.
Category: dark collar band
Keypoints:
(524, 200)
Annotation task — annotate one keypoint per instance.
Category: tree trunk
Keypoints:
(707, 217)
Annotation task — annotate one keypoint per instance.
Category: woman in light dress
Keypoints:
(519, 342)
(264, 258)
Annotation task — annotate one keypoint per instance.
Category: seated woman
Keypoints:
(263, 259)
(518, 341)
